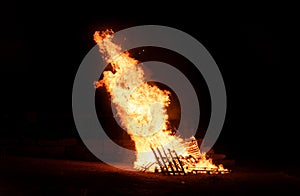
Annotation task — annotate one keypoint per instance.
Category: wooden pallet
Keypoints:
(168, 161)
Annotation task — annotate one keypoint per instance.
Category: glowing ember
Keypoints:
(141, 108)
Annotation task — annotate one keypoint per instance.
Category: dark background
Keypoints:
(42, 47)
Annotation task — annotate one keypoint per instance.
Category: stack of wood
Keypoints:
(193, 148)
(168, 161)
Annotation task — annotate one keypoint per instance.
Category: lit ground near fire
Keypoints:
(35, 176)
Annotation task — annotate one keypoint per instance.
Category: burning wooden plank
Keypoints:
(169, 164)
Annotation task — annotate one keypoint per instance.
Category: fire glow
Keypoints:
(142, 110)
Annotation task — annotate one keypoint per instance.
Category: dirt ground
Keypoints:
(36, 176)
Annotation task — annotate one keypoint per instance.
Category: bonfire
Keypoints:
(142, 110)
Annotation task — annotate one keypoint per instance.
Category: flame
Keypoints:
(142, 108)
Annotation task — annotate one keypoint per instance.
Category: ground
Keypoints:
(36, 176)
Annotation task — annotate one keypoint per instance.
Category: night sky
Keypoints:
(41, 52)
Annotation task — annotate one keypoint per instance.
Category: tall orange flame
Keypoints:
(141, 107)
